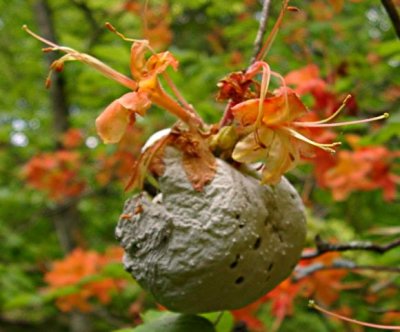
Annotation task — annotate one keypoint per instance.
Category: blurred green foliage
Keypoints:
(210, 40)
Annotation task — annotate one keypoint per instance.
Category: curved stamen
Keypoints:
(334, 115)
(339, 124)
(145, 42)
(283, 82)
(45, 41)
(265, 80)
(323, 146)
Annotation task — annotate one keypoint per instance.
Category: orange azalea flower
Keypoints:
(146, 88)
(74, 269)
(56, 174)
(72, 138)
(271, 131)
(365, 169)
(324, 285)
(307, 80)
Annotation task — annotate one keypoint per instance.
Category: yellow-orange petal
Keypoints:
(282, 156)
(112, 122)
(250, 150)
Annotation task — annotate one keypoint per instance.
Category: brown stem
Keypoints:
(164, 100)
(261, 30)
(393, 15)
(228, 116)
(267, 44)
(324, 247)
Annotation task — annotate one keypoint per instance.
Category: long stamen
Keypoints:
(43, 40)
(88, 59)
(339, 124)
(265, 80)
(323, 146)
(268, 43)
(283, 82)
(334, 115)
(145, 42)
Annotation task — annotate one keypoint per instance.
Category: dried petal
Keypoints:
(112, 123)
(198, 161)
(137, 59)
(137, 102)
(143, 163)
(159, 62)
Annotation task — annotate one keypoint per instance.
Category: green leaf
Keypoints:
(223, 321)
(175, 323)
(152, 315)
(388, 48)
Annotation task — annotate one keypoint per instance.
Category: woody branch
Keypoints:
(340, 264)
(261, 30)
(323, 247)
(393, 14)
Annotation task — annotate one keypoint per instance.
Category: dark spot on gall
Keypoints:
(235, 262)
(257, 243)
(270, 266)
(278, 232)
(239, 280)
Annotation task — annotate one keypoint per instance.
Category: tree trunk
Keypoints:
(66, 219)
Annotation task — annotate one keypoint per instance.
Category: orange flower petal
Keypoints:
(246, 112)
(281, 108)
(112, 123)
(285, 106)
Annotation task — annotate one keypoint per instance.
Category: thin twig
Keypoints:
(324, 247)
(313, 305)
(261, 30)
(393, 14)
(258, 43)
(340, 264)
